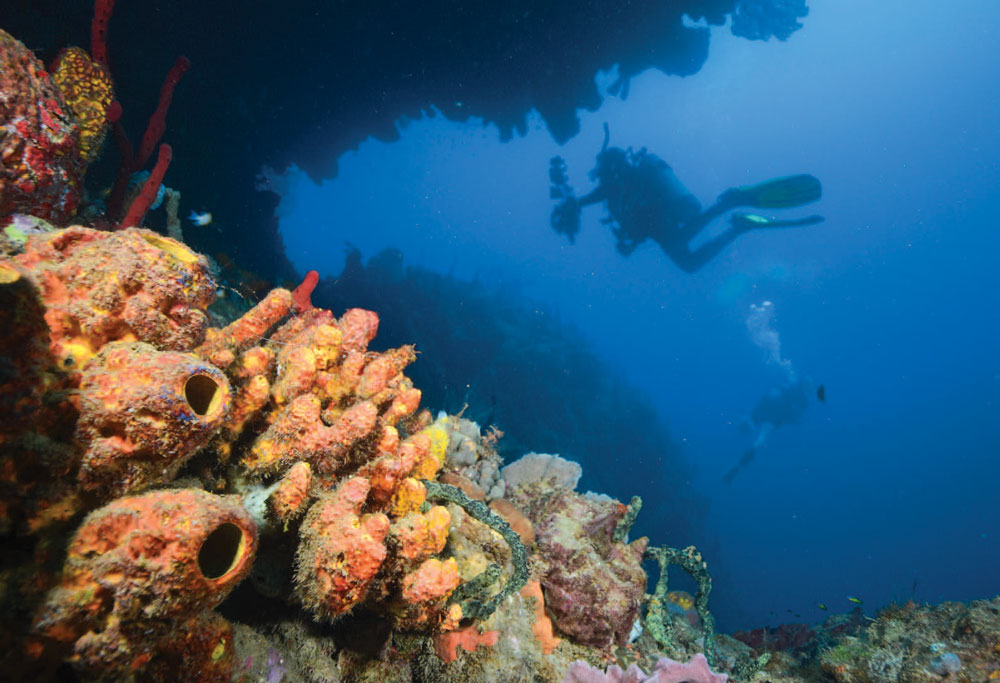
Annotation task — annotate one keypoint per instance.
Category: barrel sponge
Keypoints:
(144, 413)
(142, 565)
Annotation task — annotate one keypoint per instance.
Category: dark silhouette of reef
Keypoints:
(272, 83)
(517, 367)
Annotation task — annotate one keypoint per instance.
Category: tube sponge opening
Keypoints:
(221, 551)
(203, 394)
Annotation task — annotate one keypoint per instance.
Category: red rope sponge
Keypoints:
(158, 121)
(99, 30)
(302, 296)
(140, 205)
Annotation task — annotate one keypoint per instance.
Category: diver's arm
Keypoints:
(598, 194)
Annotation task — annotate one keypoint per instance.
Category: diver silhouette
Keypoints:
(646, 200)
(783, 405)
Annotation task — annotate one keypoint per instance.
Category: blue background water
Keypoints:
(892, 303)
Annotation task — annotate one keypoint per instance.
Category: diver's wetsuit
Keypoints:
(646, 200)
(781, 406)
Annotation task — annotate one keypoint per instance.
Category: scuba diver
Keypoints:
(645, 200)
(784, 405)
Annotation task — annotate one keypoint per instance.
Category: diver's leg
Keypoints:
(748, 456)
(690, 228)
(763, 432)
(691, 261)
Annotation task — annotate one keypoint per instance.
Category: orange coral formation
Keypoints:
(469, 638)
(424, 592)
(289, 409)
(144, 413)
(341, 550)
(542, 628)
(409, 496)
(138, 570)
(298, 433)
(131, 285)
(88, 91)
(518, 522)
(419, 535)
(432, 580)
(222, 346)
(290, 497)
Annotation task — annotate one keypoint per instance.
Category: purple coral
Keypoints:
(666, 671)
(593, 584)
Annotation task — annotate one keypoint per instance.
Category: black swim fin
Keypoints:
(781, 193)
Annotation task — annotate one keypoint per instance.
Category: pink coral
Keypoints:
(666, 671)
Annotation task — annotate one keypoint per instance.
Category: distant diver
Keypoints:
(784, 405)
(645, 200)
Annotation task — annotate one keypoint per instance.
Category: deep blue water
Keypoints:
(887, 491)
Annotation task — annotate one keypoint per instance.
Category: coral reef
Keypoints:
(911, 642)
(311, 438)
(286, 451)
(43, 166)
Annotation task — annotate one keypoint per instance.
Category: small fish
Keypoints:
(201, 219)
(821, 393)
(822, 606)
(856, 601)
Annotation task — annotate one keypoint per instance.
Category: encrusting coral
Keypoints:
(42, 164)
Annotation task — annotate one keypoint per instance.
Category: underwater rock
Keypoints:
(593, 585)
(761, 19)
(144, 413)
(137, 570)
